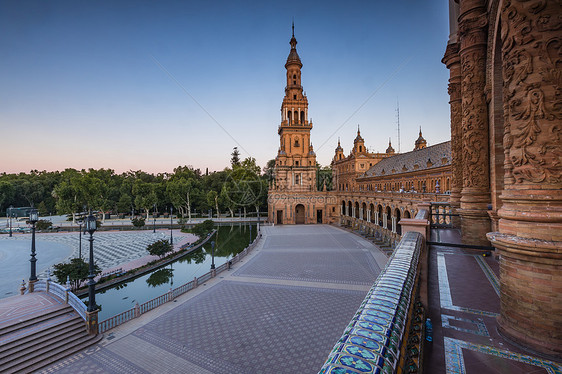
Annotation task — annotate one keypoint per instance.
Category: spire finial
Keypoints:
(358, 131)
(293, 27)
(389, 141)
(420, 131)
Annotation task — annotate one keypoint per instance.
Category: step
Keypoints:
(16, 348)
(34, 318)
(52, 356)
(39, 352)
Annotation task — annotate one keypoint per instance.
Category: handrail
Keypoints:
(376, 338)
(61, 292)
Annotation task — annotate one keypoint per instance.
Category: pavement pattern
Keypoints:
(111, 248)
(464, 304)
(279, 310)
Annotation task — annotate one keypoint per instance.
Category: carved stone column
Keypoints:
(530, 227)
(475, 194)
(453, 63)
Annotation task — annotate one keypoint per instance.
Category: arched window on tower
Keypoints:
(297, 142)
(294, 79)
(296, 117)
(290, 117)
(302, 116)
(297, 178)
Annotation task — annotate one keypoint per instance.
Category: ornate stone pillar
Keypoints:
(453, 63)
(475, 194)
(530, 227)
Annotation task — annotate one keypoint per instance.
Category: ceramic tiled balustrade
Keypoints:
(374, 340)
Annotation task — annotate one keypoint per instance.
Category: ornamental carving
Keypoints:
(474, 119)
(532, 62)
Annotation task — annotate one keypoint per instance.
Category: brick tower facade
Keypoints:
(293, 196)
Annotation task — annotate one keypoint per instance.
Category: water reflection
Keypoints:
(230, 240)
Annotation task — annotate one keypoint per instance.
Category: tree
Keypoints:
(203, 229)
(159, 248)
(213, 200)
(235, 160)
(77, 271)
(269, 170)
(7, 193)
(145, 198)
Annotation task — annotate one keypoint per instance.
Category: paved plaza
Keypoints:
(278, 311)
(111, 250)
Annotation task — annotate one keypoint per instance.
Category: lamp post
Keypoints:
(91, 228)
(80, 240)
(154, 220)
(213, 255)
(171, 226)
(33, 218)
(10, 215)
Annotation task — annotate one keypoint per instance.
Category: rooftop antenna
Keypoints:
(398, 122)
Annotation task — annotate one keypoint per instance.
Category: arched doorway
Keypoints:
(299, 214)
(380, 215)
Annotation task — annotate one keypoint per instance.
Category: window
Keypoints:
(296, 163)
(297, 143)
(294, 97)
(298, 178)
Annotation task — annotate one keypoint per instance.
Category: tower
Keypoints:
(295, 164)
(359, 143)
(420, 142)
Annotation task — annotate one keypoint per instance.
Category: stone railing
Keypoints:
(442, 215)
(386, 333)
(62, 292)
(140, 309)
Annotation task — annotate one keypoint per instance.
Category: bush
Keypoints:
(159, 248)
(138, 222)
(43, 224)
(77, 271)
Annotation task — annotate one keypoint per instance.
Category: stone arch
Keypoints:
(407, 213)
(379, 209)
(364, 211)
(300, 214)
(356, 215)
(397, 214)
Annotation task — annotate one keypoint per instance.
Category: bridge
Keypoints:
(318, 298)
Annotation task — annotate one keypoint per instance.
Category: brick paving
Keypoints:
(464, 306)
(278, 311)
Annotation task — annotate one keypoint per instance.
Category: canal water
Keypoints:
(229, 239)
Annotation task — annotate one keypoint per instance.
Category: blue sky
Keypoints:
(153, 85)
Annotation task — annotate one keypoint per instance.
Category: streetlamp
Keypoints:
(171, 226)
(91, 228)
(80, 240)
(154, 220)
(10, 215)
(33, 218)
(213, 255)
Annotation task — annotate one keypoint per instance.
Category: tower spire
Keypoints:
(293, 27)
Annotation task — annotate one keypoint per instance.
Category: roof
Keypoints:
(437, 155)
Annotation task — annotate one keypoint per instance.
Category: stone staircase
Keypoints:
(31, 341)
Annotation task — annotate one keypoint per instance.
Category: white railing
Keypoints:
(62, 293)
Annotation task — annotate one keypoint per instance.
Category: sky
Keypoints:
(151, 85)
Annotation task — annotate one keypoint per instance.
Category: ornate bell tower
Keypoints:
(295, 164)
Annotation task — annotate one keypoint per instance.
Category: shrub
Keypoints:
(138, 222)
(159, 248)
(43, 224)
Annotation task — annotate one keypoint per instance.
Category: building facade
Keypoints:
(506, 140)
(346, 169)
